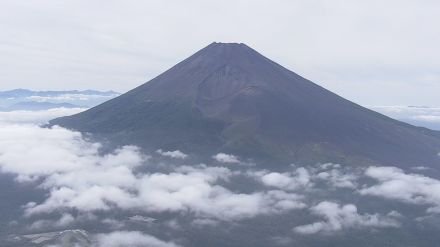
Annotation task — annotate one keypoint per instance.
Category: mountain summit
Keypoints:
(229, 98)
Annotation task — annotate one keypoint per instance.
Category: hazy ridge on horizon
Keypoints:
(25, 99)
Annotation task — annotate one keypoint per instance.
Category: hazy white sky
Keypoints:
(372, 52)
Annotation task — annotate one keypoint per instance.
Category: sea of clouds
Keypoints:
(424, 116)
(81, 182)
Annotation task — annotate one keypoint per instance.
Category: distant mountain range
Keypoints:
(20, 93)
(38, 106)
(24, 99)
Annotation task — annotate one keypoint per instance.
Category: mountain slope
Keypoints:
(229, 98)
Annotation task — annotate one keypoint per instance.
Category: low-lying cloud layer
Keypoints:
(418, 115)
(130, 238)
(77, 176)
(80, 180)
(339, 217)
(35, 117)
(226, 158)
(299, 178)
(394, 183)
(176, 154)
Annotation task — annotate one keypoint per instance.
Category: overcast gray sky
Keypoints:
(372, 52)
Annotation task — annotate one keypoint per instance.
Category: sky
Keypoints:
(371, 52)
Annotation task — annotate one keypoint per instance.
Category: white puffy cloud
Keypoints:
(34, 151)
(394, 183)
(226, 158)
(275, 179)
(279, 201)
(130, 238)
(299, 178)
(340, 217)
(197, 191)
(337, 177)
(183, 191)
(85, 199)
(176, 154)
(334, 175)
(31, 151)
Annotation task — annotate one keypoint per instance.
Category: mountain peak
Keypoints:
(218, 50)
(225, 46)
(227, 43)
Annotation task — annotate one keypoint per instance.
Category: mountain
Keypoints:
(38, 106)
(229, 98)
(23, 98)
(19, 93)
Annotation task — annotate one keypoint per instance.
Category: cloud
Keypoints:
(281, 201)
(65, 220)
(172, 154)
(225, 158)
(140, 218)
(205, 222)
(341, 44)
(78, 176)
(428, 118)
(337, 177)
(32, 152)
(197, 192)
(130, 238)
(424, 116)
(409, 112)
(36, 117)
(113, 223)
(341, 217)
(300, 178)
(395, 184)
